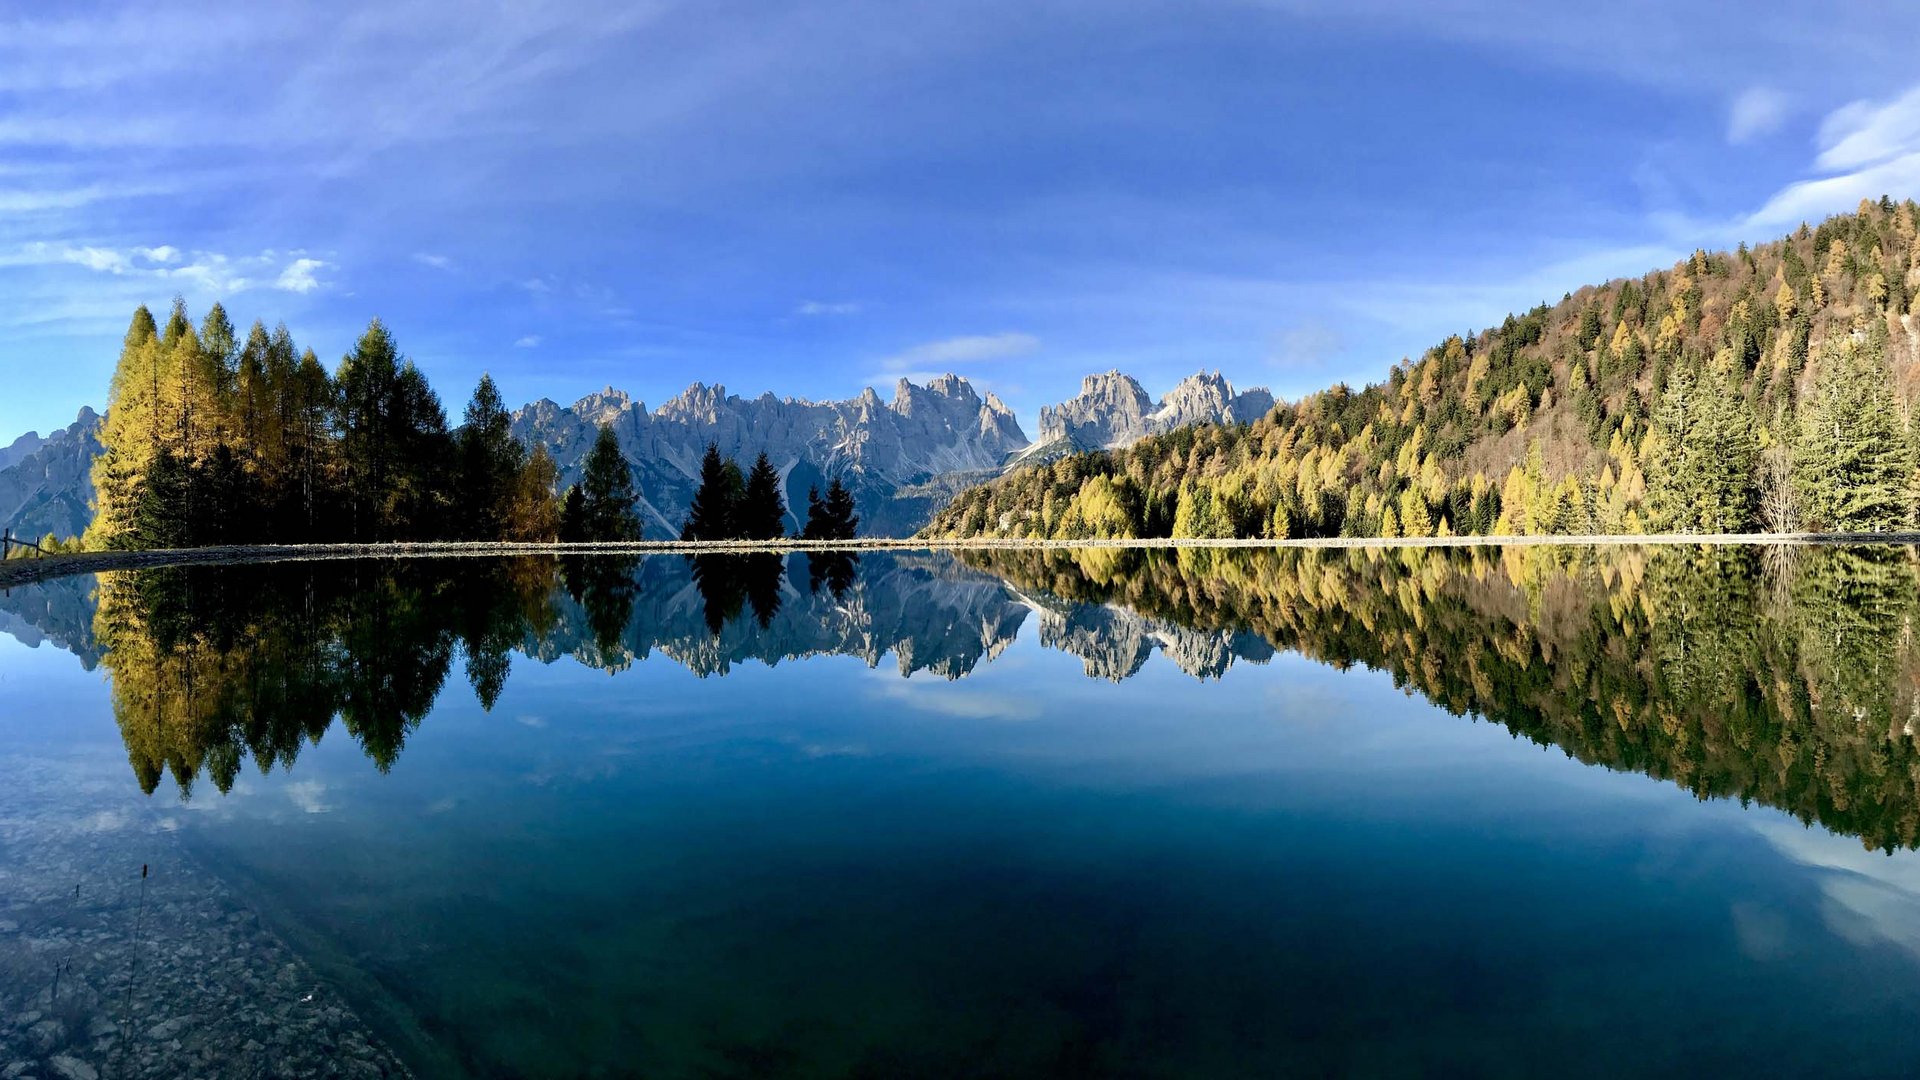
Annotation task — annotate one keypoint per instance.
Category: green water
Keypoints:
(1038, 814)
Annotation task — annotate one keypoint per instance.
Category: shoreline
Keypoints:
(26, 571)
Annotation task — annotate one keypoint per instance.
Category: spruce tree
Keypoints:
(490, 460)
(1852, 462)
(816, 515)
(608, 501)
(1701, 476)
(763, 510)
(716, 502)
(833, 518)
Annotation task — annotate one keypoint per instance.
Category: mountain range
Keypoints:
(903, 458)
(46, 484)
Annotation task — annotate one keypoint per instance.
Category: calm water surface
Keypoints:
(1064, 814)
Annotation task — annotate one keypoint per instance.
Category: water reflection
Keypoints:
(1785, 677)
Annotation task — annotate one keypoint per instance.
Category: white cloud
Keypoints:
(309, 795)
(963, 350)
(1862, 133)
(438, 262)
(1758, 111)
(821, 307)
(298, 276)
(209, 270)
(531, 341)
(1872, 150)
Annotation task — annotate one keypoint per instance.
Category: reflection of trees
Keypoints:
(729, 583)
(604, 586)
(834, 569)
(1680, 663)
(212, 666)
(1789, 681)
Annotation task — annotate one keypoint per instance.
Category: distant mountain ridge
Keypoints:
(46, 485)
(903, 458)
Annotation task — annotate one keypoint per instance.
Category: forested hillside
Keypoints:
(1767, 388)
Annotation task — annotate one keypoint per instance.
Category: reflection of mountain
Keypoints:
(1795, 682)
(932, 613)
(59, 611)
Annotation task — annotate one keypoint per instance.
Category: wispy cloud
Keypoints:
(530, 341)
(211, 270)
(438, 262)
(970, 349)
(816, 308)
(1872, 148)
(1758, 111)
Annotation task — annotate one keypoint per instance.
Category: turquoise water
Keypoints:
(1036, 816)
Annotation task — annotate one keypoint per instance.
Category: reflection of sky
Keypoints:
(1869, 897)
(1327, 810)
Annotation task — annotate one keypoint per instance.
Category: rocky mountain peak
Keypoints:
(1113, 410)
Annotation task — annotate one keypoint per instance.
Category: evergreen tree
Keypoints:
(1701, 470)
(816, 514)
(716, 502)
(393, 442)
(833, 517)
(607, 499)
(1852, 463)
(573, 516)
(490, 461)
(763, 510)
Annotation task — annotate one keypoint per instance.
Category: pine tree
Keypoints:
(573, 516)
(816, 515)
(716, 502)
(1852, 462)
(608, 501)
(1703, 477)
(490, 460)
(763, 510)
(393, 442)
(838, 519)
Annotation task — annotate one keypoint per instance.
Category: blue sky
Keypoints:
(812, 198)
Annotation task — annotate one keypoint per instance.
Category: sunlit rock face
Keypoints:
(1112, 411)
(46, 485)
(903, 458)
(877, 447)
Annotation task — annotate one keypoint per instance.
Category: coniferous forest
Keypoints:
(1764, 389)
(214, 439)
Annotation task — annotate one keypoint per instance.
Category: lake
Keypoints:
(1015, 813)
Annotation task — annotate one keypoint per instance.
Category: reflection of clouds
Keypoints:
(1762, 932)
(1869, 897)
(956, 700)
(309, 796)
(104, 821)
(531, 721)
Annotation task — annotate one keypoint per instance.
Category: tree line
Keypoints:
(1766, 388)
(214, 439)
(732, 505)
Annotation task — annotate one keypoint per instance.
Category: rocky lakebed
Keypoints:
(104, 975)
